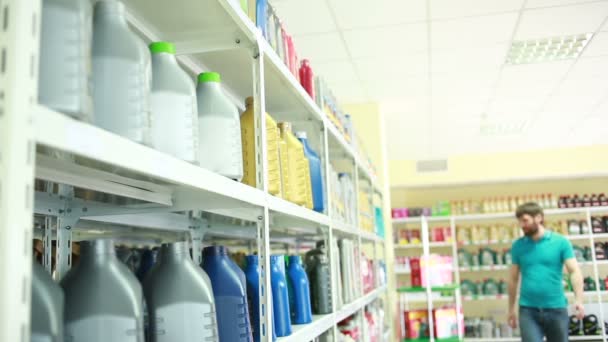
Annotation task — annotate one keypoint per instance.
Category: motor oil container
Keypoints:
(104, 300)
(316, 174)
(121, 74)
(180, 299)
(252, 275)
(64, 82)
(317, 268)
(47, 307)
(299, 292)
(490, 287)
(286, 182)
(249, 150)
(173, 112)
(487, 257)
(280, 297)
(230, 293)
(294, 163)
(219, 129)
(147, 261)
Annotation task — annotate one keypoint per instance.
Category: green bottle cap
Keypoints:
(158, 47)
(209, 77)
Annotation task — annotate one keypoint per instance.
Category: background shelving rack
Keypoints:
(584, 213)
(161, 198)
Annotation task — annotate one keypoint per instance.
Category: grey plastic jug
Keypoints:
(220, 148)
(180, 298)
(104, 300)
(65, 57)
(121, 74)
(47, 307)
(173, 108)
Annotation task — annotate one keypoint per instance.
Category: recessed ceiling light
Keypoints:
(547, 49)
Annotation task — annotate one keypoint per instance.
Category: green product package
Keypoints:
(490, 287)
(468, 288)
(487, 257)
(579, 253)
(503, 287)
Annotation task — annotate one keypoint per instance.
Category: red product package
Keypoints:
(416, 324)
(416, 274)
(438, 235)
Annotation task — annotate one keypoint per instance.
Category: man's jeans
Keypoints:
(534, 323)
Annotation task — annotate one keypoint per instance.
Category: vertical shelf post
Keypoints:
(263, 223)
(19, 45)
(598, 292)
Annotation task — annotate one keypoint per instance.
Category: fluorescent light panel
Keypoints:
(547, 49)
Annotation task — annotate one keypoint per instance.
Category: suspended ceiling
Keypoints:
(438, 70)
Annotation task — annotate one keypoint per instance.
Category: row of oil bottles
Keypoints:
(143, 94)
(101, 299)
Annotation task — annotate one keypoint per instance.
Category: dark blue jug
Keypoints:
(280, 297)
(316, 174)
(299, 292)
(147, 261)
(229, 289)
(252, 274)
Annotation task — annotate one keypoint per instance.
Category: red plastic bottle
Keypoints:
(307, 78)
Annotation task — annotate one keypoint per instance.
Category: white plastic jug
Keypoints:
(121, 74)
(65, 57)
(219, 131)
(174, 117)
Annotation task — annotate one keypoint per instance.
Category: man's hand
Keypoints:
(512, 320)
(580, 310)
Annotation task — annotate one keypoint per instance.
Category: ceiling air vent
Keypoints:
(438, 165)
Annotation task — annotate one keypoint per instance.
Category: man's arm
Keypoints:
(576, 279)
(514, 275)
(513, 286)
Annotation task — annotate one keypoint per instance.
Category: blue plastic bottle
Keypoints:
(262, 17)
(299, 292)
(316, 174)
(229, 289)
(252, 274)
(280, 297)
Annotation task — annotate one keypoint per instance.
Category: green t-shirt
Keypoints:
(541, 264)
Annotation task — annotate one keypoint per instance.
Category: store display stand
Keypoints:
(166, 195)
(430, 290)
(591, 238)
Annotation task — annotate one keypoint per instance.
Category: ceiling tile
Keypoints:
(396, 41)
(524, 90)
(338, 71)
(388, 90)
(530, 73)
(598, 46)
(560, 21)
(378, 68)
(405, 104)
(473, 32)
(469, 8)
(296, 16)
(464, 85)
(514, 106)
(365, 14)
(321, 48)
(552, 3)
(592, 67)
(478, 59)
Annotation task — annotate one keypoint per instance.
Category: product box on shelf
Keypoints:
(440, 271)
(445, 322)
(416, 324)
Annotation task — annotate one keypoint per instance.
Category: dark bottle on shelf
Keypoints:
(603, 200)
(586, 201)
(563, 202)
(594, 200)
(575, 202)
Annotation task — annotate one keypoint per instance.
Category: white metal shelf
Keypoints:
(517, 339)
(308, 332)
(420, 246)
(495, 216)
(350, 309)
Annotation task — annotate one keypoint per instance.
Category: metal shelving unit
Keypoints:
(139, 194)
(596, 296)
